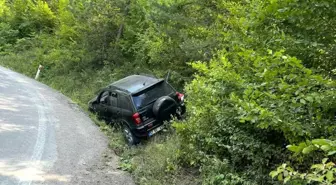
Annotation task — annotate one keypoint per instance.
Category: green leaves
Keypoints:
(321, 142)
(257, 96)
(323, 172)
(30, 17)
(332, 152)
(330, 176)
(284, 173)
(302, 101)
(297, 149)
(328, 146)
(308, 149)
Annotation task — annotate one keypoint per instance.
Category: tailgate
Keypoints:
(146, 113)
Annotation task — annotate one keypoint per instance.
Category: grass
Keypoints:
(153, 162)
(157, 163)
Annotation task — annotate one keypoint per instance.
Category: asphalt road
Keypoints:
(46, 139)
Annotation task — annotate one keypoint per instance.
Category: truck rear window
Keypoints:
(150, 95)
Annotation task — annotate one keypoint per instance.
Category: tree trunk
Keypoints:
(121, 27)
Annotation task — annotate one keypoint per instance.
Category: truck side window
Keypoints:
(124, 102)
(113, 100)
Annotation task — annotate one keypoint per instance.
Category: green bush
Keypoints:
(7, 36)
(245, 107)
(323, 173)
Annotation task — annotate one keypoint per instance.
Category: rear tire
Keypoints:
(130, 138)
(164, 107)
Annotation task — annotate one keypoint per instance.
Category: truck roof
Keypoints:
(135, 83)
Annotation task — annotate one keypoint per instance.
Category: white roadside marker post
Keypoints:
(38, 71)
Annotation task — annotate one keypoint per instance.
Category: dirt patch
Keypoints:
(104, 172)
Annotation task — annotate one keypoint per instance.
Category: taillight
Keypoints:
(180, 96)
(136, 118)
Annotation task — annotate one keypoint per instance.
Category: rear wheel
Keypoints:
(164, 107)
(131, 139)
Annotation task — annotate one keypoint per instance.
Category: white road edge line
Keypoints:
(41, 137)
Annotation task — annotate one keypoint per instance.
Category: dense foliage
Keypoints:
(245, 107)
(323, 173)
(258, 75)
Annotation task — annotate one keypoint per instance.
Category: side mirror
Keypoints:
(103, 101)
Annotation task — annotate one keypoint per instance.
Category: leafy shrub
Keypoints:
(302, 27)
(305, 30)
(30, 17)
(323, 173)
(7, 35)
(245, 107)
